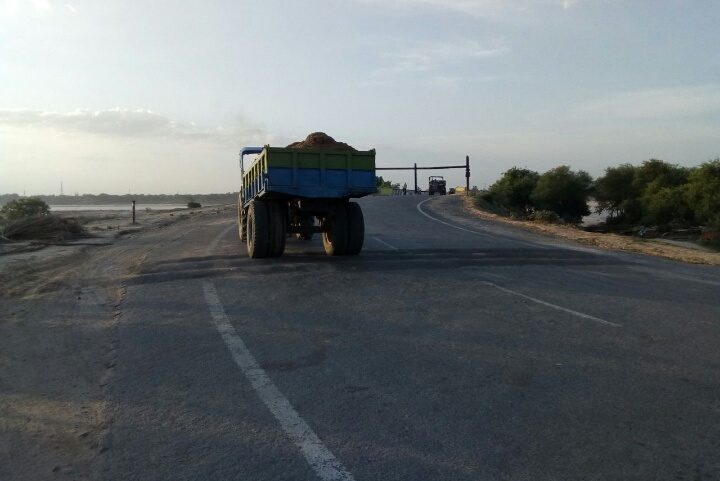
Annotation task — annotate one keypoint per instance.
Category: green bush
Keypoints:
(703, 191)
(194, 205)
(23, 208)
(614, 192)
(565, 192)
(514, 189)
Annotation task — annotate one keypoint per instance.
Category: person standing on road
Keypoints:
(405, 188)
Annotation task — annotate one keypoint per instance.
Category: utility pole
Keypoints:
(416, 186)
(467, 175)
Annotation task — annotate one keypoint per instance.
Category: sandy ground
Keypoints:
(58, 304)
(56, 333)
(679, 251)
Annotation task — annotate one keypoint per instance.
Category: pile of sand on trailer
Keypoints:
(320, 141)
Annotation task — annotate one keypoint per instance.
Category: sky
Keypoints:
(159, 96)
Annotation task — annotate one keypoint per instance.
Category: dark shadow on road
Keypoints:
(441, 260)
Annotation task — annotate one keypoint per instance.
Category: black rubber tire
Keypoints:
(242, 224)
(258, 230)
(336, 233)
(356, 226)
(278, 229)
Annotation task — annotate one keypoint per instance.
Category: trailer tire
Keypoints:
(242, 223)
(258, 230)
(356, 227)
(335, 231)
(278, 230)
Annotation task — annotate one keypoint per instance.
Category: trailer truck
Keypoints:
(302, 192)
(436, 184)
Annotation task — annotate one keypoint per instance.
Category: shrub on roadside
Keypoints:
(544, 216)
(565, 192)
(48, 228)
(514, 188)
(194, 205)
(22, 208)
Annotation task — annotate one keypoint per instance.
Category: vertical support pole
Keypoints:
(133, 211)
(467, 175)
(416, 189)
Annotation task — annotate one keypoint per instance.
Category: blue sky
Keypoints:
(159, 96)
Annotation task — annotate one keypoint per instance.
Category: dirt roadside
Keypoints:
(651, 247)
(58, 306)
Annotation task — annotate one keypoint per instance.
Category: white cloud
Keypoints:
(12, 7)
(461, 50)
(116, 150)
(449, 81)
(399, 59)
(400, 63)
(481, 8)
(568, 3)
(674, 104)
(132, 124)
(40, 7)
(500, 10)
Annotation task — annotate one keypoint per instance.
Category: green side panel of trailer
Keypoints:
(319, 159)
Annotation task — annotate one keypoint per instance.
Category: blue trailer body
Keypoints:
(286, 190)
(279, 172)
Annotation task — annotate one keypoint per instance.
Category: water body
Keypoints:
(115, 207)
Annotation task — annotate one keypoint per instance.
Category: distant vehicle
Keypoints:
(436, 184)
(286, 189)
(451, 190)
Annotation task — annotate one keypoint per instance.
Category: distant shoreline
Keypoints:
(90, 200)
(113, 207)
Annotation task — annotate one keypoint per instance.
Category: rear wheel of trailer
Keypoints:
(335, 231)
(356, 227)
(258, 230)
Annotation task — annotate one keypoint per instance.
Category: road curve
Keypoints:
(452, 348)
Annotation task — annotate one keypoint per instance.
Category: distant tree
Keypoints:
(615, 191)
(380, 182)
(5, 198)
(514, 188)
(661, 200)
(564, 192)
(22, 208)
(703, 191)
(654, 176)
(666, 206)
(659, 173)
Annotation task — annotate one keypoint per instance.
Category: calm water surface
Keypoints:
(116, 207)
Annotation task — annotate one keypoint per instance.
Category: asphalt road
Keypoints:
(452, 348)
